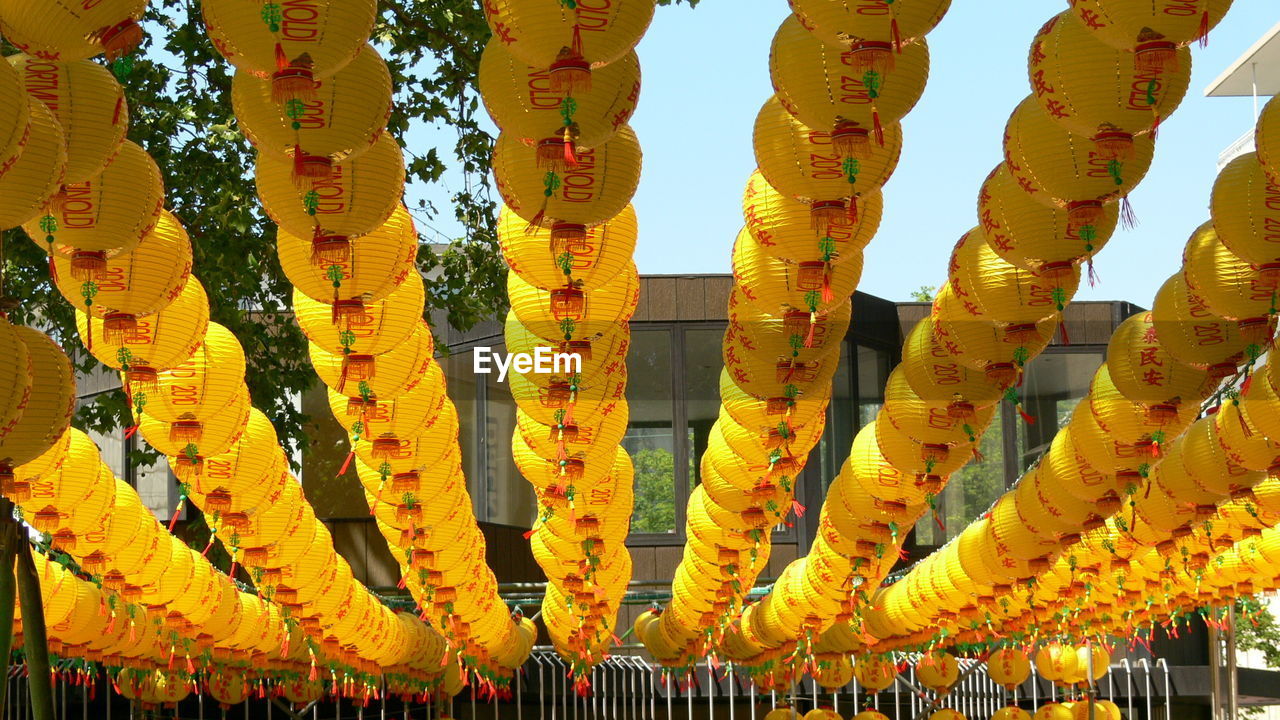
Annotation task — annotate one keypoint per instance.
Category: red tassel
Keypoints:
(1093, 274)
(797, 508)
(897, 35)
(903, 554)
(577, 39)
(528, 534)
(813, 325)
(1062, 330)
(827, 294)
(282, 61)
(876, 127)
(346, 464)
(1203, 35)
(205, 552)
(173, 521)
(1025, 417)
(853, 209)
(130, 431)
(231, 573)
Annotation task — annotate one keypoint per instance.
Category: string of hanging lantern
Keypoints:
(826, 141)
(561, 80)
(331, 178)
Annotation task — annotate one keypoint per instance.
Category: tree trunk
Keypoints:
(36, 641)
(8, 590)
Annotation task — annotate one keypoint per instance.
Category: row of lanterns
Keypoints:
(125, 263)
(1148, 522)
(1073, 152)
(561, 80)
(828, 139)
(331, 178)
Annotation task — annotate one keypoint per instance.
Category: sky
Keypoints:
(705, 76)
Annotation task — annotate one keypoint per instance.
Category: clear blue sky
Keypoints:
(705, 75)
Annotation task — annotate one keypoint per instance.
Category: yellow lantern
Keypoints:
(568, 196)
(569, 40)
(1228, 286)
(1094, 90)
(1190, 332)
(1034, 235)
(785, 227)
(875, 672)
(15, 378)
(1054, 711)
(938, 671)
(73, 31)
(371, 266)
(294, 48)
(938, 377)
(990, 289)
(371, 329)
(15, 127)
(1009, 667)
(998, 350)
(1144, 372)
(149, 344)
(1244, 205)
(567, 313)
(205, 432)
(1011, 712)
(356, 198)
(137, 283)
(206, 382)
(48, 409)
(602, 253)
(345, 117)
(384, 377)
(34, 175)
(805, 163)
(778, 286)
(1056, 662)
(522, 101)
(106, 215)
(1151, 30)
(889, 23)
(1267, 139)
(839, 91)
(89, 105)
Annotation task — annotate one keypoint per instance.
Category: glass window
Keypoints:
(873, 374)
(703, 361)
(460, 379)
(1053, 384)
(650, 437)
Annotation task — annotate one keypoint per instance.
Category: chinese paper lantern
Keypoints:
(522, 101)
(986, 287)
(371, 266)
(106, 215)
(202, 432)
(600, 255)
(1009, 667)
(568, 314)
(848, 96)
(35, 175)
(73, 31)
(803, 163)
(293, 46)
(784, 227)
(1144, 372)
(15, 377)
(777, 286)
(1151, 32)
(1011, 712)
(371, 329)
(938, 377)
(356, 198)
(568, 40)
(49, 405)
(1054, 711)
(1227, 285)
(1267, 139)
(210, 379)
(14, 128)
(937, 671)
(889, 23)
(1187, 329)
(1094, 90)
(348, 112)
(137, 283)
(149, 344)
(385, 376)
(998, 350)
(1245, 204)
(89, 104)
(1034, 235)
(570, 196)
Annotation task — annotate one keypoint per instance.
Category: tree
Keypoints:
(178, 90)
(924, 293)
(655, 502)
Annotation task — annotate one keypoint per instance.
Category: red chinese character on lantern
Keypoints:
(1147, 356)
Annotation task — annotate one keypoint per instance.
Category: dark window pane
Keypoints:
(1054, 383)
(650, 437)
(970, 490)
(508, 498)
(331, 496)
(703, 362)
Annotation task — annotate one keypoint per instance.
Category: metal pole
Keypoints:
(519, 700)
(1090, 689)
(1215, 674)
(729, 674)
(666, 679)
(711, 696)
(1233, 680)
